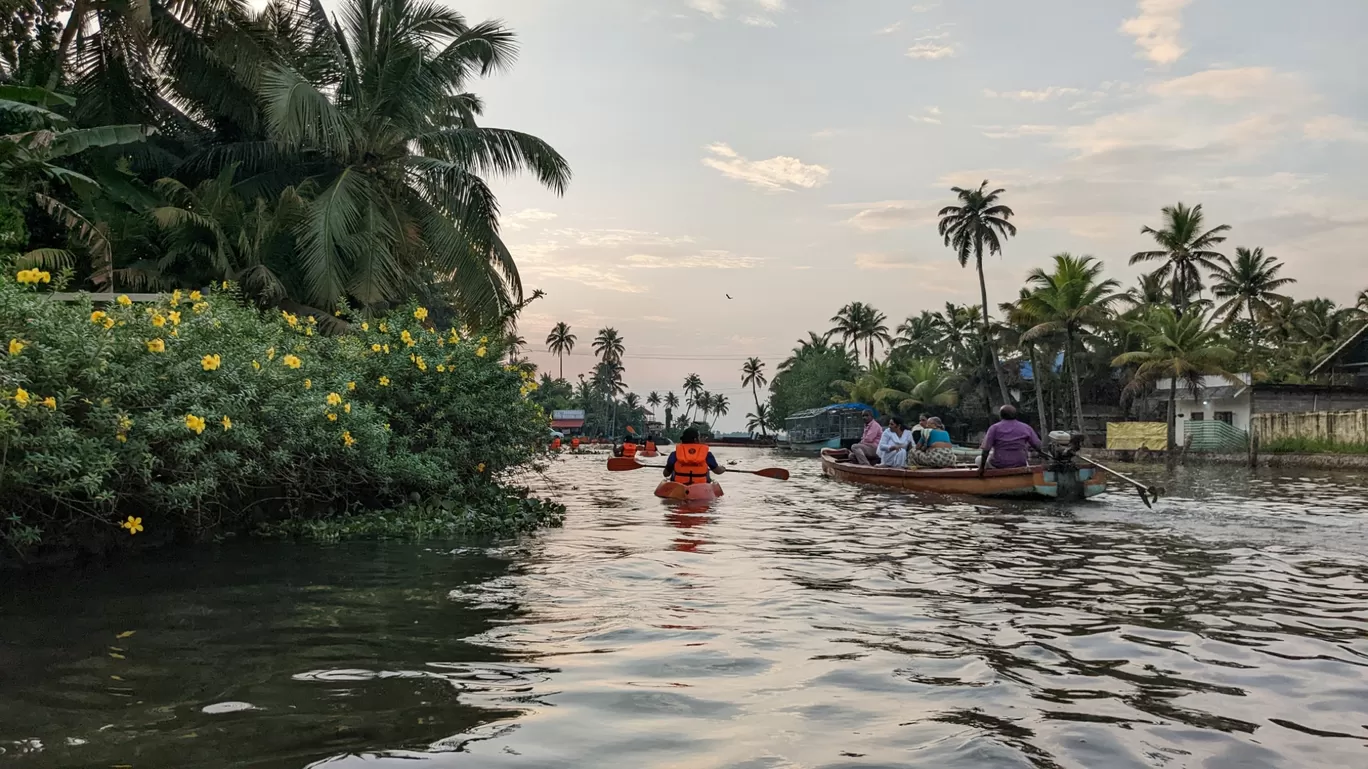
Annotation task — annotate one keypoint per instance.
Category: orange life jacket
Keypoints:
(691, 463)
(574, 443)
(650, 447)
(629, 449)
(555, 444)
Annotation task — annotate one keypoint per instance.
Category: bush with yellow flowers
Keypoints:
(199, 414)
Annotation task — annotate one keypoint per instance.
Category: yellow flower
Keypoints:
(50, 402)
(308, 384)
(387, 427)
(134, 525)
(384, 327)
(365, 326)
(256, 366)
(16, 347)
(194, 424)
(21, 398)
(175, 332)
(98, 316)
(455, 337)
(226, 422)
(441, 369)
(125, 423)
(346, 407)
(480, 352)
(224, 285)
(124, 301)
(199, 307)
(347, 439)
(375, 348)
(156, 345)
(420, 363)
(108, 323)
(312, 321)
(332, 417)
(480, 467)
(386, 349)
(195, 296)
(334, 399)
(351, 385)
(291, 361)
(308, 332)
(175, 298)
(441, 342)
(384, 381)
(337, 313)
(121, 438)
(420, 313)
(211, 362)
(406, 337)
(33, 276)
(175, 317)
(158, 320)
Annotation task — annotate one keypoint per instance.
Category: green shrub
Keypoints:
(199, 413)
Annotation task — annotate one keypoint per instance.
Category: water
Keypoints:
(799, 624)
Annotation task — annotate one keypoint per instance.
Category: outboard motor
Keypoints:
(1061, 449)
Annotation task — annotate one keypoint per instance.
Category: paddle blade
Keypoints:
(777, 473)
(623, 463)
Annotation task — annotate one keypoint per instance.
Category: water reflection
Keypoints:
(807, 624)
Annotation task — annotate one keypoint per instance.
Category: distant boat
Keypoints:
(828, 427)
(1064, 481)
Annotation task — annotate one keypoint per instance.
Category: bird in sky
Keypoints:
(727, 295)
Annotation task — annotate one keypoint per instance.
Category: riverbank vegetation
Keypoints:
(327, 174)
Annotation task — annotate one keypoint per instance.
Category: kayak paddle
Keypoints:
(627, 463)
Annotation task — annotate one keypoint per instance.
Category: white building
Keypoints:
(1217, 399)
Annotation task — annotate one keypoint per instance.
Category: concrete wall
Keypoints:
(1292, 399)
(1330, 426)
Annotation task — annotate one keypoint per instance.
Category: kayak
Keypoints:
(648, 454)
(698, 492)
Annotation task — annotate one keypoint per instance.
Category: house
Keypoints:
(1214, 418)
(1348, 364)
(569, 422)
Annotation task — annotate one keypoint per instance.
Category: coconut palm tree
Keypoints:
(753, 376)
(671, 403)
(1019, 324)
(653, 400)
(1250, 283)
(1184, 250)
(902, 389)
(703, 401)
(608, 345)
(759, 420)
(376, 117)
(561, 343)
(858, 322)
(1177, 347)
(917, 335)
(514, 343)
(719, 405)
(693, 385)
(980, 222)
(1070, 301)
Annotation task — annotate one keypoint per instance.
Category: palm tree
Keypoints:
(1361, 303)
(902, 390)
(561, 342)
(759, 420)
(1177, 347)
(514, 344)
(859, 322)
(671, 403)
(1069, 301)
(693, 385)
(703, 401)
(916, 336)
(608, 345)
(1185, 251)
(753, 376)
(375, 116)
(719, 405)
(608, 382)
(979, 222)
(653, 400)
(1020, 324)
(1251, 283)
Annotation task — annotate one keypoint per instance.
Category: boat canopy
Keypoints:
(839, 420)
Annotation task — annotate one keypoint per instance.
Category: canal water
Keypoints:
(799, 624)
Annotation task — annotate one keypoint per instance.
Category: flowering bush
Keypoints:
(197, 414)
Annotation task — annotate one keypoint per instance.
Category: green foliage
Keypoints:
(476, 510)
(807, 379)
(196, 414)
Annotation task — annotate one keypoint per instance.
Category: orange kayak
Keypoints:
(698, 492)
(648, 454)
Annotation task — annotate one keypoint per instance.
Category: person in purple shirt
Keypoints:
(866, 452)
(1008, 440)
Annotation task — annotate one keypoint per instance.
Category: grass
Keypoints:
(1312, 446)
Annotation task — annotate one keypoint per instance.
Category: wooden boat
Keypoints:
(1036, 481)
(698, 492)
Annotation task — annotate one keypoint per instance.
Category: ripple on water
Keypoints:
(807, 624)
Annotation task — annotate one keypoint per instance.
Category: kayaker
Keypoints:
(866, 452)
(650, 445)
(691, 461)
(1008, 441)
(629, 446)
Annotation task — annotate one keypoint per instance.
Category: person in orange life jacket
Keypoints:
(691, 461)
(629, 446)
(650, 447)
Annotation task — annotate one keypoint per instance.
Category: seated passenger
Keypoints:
(936, 450)
(1009, 441)
(894, 444)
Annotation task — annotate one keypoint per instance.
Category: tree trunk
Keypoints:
(561, 355)
(74, 23)
(669, 418)
(1039, 393)
(756, 396)
(1077, 390)
(1173, 419)
(988, 332)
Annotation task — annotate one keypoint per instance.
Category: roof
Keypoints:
(833, 407)
(1349, 345)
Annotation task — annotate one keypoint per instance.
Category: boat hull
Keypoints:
(648, 454)
(1034, 482)
(698, 492)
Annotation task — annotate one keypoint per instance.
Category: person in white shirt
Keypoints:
(894, 443)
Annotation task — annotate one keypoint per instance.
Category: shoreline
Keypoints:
(1312, 461)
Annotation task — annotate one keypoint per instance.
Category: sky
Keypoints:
(793, 154)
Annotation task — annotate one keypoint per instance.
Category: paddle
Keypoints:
(627, 463)
(1146, 492)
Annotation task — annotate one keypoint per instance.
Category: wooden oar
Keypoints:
(628, 463)
(1146, 492)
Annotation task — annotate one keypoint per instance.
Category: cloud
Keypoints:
(890, 29)
(717, 10)
(932, 116)
(714, 8)
(1331, 128)
(1156, 30)
(1044, 94)
(657, 319)
(590, 275)
(758, 21)
(704, 260)
(890, 214)
(1016, 132)
(931, 48)
(1225, 85)
(826, 133)
(519, 220)
(780, 173)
